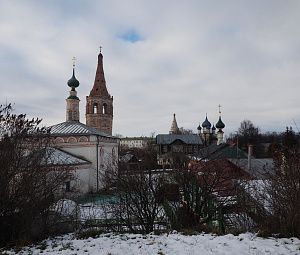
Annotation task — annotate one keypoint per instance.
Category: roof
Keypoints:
(75, 128)
(223, 150)
(135, 138)
(170, 138)
(260, 167)
(56, 156)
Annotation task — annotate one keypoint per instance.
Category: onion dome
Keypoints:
(73, 82)
(213, 127)
(206, 123)
(199, 127)
(220, 123)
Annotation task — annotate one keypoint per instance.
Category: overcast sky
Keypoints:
(160, 57)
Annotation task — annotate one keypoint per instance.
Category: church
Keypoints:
(89, 149)
(168, 145)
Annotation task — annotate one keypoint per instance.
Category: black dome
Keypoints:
(206, 123)
(73, 82)
(220, 123)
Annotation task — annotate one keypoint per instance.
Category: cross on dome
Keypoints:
(74, 60)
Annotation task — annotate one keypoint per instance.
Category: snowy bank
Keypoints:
(165, 244)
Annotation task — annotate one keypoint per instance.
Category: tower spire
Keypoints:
(99, 88)
(99, 104)
(174, 127)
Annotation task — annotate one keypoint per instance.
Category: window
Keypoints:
(113, 154)
(165, 148)
(104, 108)
(177, 148)
(101, 153)
(95, 108)
(68, 186)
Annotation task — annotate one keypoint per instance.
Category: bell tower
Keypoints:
(99, 104)
(72, 110)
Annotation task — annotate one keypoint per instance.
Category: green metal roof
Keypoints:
(224, 150)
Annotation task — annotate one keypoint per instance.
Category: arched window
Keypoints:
(104, 108)
(95, 108)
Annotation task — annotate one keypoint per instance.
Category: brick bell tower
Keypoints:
(99, 104)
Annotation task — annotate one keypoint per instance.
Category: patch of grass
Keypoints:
(189, 232)
(235, 231)
(264, 233)
(89, 233)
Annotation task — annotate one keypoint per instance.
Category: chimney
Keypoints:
(250, 150)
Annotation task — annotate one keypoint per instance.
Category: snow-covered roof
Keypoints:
(260, 167)
(56, 156)
(75, 128)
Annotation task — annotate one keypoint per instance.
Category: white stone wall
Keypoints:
(133, 143)
(107, 152)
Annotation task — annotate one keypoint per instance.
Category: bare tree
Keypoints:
(138, 192)
(209, 191)
(28, 185)
(274, 202)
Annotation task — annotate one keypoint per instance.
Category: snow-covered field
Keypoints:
(111, 244)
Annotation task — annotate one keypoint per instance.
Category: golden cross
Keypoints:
(219, 108)
(100, 49)
(73, 59)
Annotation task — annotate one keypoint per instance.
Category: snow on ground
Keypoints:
(112, 244)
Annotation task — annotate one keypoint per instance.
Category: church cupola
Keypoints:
(99, 104)
(72, 110)
(220, 125)
(206, 125)
(174, 127)
(199, 129)
(213, 129)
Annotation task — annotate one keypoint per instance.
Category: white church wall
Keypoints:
(107, 152)
(81, 180)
